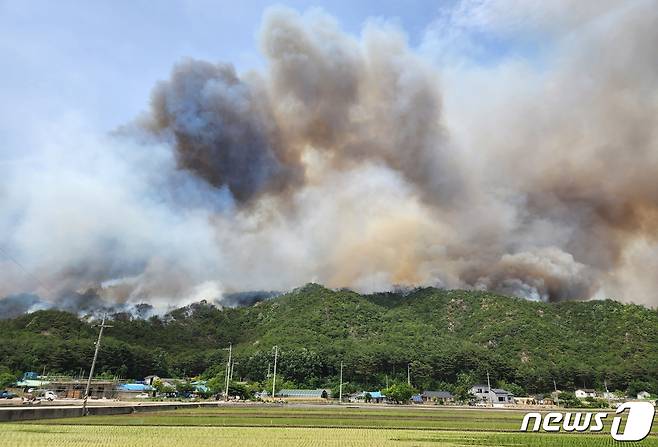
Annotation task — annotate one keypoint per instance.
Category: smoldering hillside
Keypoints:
(358, 161)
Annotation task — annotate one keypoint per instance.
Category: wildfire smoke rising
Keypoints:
(363, 163)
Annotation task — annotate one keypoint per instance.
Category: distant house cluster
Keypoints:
(67, 387)
(154, 386)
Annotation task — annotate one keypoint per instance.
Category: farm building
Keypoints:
(437, 396)
(368, 396)
(69, 387)
(201, 386)
(304, 394)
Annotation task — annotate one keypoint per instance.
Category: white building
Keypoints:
(583, 393)
(493, 395)
(643, 395)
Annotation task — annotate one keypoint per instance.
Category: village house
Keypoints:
(368, 396)
(168, 383)
(643, 395)
(583, 393)
(493, 395)
(134, 390)
(441, 397)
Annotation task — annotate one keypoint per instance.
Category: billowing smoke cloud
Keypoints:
(220, 128)
(363, 163)
(324, 94)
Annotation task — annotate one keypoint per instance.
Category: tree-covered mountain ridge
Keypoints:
(444, 335)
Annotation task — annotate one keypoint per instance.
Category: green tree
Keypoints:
(162, 388)
(281, 384)
(569, 400)
(513, 388)
(184, 388)
(348, 388)
(6, 378)
(637, 386)
(462, 389)
(399, 393)
(217, 384)
(240, 390)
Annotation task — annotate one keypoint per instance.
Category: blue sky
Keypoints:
(99, 60)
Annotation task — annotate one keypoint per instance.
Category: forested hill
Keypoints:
(441, 333)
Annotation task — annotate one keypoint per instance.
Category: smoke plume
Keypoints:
(358, 161)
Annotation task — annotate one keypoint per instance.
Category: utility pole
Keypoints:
(557, 395)
(607, 392)
(386, 380)
(228, 369)
(93, 365)
(489, 389)
(340, 388)
(276, 354)
(409, 374)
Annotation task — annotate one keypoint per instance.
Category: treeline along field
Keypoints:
(447, 337)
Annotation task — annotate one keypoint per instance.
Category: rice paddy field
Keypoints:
(284, 426)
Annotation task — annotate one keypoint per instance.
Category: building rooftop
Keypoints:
(437, 394)
(134, 387)
(303, 393)
(500, 391)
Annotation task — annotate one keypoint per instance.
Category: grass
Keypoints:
(262, 426)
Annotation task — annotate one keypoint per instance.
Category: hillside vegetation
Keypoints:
(446, 336)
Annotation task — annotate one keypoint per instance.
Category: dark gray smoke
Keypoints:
(14, 305)
(221, 129)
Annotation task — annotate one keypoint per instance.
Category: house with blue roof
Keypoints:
(369, 396)
(134, 390)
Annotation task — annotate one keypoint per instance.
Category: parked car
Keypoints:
(7, 395)
(36, 394)
(49, 395)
